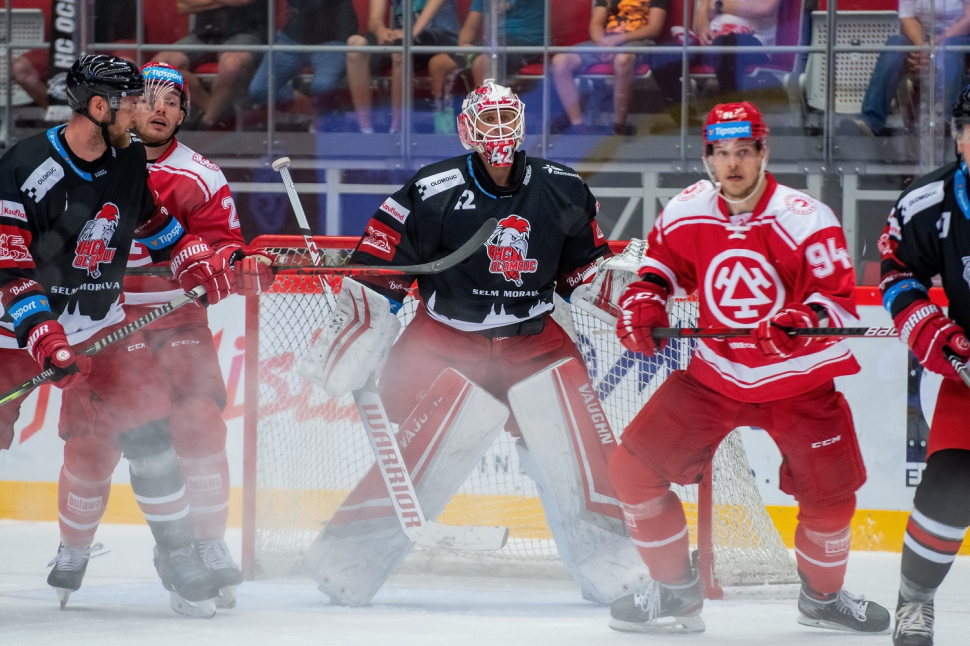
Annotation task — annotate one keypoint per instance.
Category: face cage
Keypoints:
(498, 141)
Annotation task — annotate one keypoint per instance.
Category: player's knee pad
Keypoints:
(567, 447)
(829, 517)
(632, 480)
(148, 448)
(197, 427)
(91, 457)
(441, 441)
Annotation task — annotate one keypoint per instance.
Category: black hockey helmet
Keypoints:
(101, 75)
(960, 115)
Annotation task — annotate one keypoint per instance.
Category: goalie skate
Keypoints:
(227, 575)
(661, 608)
(69, 565)
(193, 590)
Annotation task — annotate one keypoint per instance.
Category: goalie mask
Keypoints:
(731, 123)
(492, 121)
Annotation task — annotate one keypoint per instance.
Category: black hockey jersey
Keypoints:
(546, 240)
(66, 228)
(928, 233)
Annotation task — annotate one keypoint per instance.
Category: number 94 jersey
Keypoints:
(745, 268)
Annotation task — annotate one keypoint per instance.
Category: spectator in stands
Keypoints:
(524, 22)
(114, 22)
(219, 22)
(435, 23)
(614, 23)
(951, 24)
(308, 22)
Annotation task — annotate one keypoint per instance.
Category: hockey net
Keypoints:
(304, 451)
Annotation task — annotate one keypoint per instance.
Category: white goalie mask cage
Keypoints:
(497, 141)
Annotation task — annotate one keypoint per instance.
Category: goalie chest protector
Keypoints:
(546, 236)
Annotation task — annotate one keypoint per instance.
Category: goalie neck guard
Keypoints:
(496, 141)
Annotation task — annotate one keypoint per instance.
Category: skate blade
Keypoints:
(227, 598)
(669, 625)
(201, 609)
(63, 594)
(831, 625)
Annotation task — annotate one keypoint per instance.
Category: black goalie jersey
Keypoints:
(66, 228)
(546, 239)
(928, 233)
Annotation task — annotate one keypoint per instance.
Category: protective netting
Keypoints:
(311, 450)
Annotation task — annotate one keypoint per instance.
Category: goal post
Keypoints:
(303, 451)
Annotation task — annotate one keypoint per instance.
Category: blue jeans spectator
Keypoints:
(328, 67)
(889, 71)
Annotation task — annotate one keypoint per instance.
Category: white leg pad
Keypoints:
(441, 441)
(568, 443)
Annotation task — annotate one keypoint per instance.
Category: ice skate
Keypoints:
(193, 589)
(914, 623)
(841, 611)
(226, 573)
(69, 567)
(660, 608)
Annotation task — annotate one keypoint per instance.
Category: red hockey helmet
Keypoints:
(162, 77)
(735, 121)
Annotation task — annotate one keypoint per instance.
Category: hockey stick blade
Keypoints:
(456, 257)
(466, 538)
(102, 343)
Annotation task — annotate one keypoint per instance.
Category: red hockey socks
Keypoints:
(822, 558)
(207, 480)
(80, 506)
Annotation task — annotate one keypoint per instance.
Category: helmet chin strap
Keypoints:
(757, 187)
(102, 125)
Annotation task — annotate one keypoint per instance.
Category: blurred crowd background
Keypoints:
(360, 93)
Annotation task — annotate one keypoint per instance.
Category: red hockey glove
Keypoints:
(772, 338)
(643, 306)
(254, 274)
(926, 331)
(48, 345)
(194, 263)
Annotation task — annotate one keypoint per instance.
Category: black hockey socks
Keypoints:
(937, 524)
(156, 479)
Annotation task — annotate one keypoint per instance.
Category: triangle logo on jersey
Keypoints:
(742, 288)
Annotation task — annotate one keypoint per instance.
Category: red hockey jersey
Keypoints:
(195, 191)
(746, 267)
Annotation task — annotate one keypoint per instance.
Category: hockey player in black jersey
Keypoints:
(73, 200)
(928, 234)
(482, 342)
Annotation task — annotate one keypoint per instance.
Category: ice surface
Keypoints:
(122, 602)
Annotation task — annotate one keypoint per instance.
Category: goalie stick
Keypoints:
(101, 344)
(373, 417)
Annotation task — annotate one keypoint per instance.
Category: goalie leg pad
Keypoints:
(353, 343)
(441, 441)
(568, 443)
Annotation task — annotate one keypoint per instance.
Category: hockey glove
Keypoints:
(927, 332)
(254, 274)
(48, 345)
(195, 263)
(643, 306)
(772, 337)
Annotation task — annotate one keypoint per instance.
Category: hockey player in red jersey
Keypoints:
(74, 200)
(195, 192)
(927, 235)
(482, 342)
(770, 258)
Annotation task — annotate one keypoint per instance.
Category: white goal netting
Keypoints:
(310, 450)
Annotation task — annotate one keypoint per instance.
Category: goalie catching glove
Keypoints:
(195, 263)
(354, 342)
(47, 344)
(643, 306)
(600, 296)
(927, 332)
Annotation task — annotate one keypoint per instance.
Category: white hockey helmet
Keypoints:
(498, 140)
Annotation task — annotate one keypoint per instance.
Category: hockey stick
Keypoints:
(374, 418)
(958, 365)
(733, 332)
(104, 342)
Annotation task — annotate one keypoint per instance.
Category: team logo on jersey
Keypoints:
(380, 240)
(13, 210)
(42, 179)
(92, 245)
(742, 287)
(394, 209)
(14, 247)
(800, 205)
(439, 182)
(508, 248)
(691, 191)
(202, 161)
